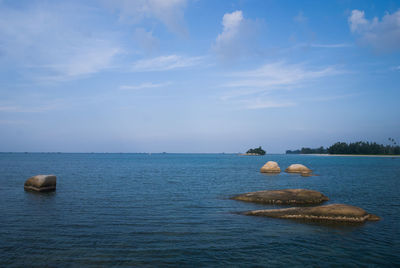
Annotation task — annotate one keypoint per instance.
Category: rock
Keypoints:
(298, 168)
(334, 212)
(270, 167)
(308, 174)
(283, 197)
(41, 183)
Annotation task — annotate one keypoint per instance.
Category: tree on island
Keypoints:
(258, 150)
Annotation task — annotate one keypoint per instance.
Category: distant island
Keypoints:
(255, 151)
(355, 148)
(320, 150)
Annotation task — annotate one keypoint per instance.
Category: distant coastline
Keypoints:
(361, 155)
(359, 148)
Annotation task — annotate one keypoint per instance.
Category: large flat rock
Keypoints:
(334, 212)
(283, 197)
(41, 183)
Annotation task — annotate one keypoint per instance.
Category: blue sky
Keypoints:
(197, 76)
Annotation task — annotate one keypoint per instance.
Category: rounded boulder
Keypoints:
(41, 183)
(298, 168)
(270, 167)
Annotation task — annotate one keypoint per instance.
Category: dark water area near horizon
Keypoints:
(174, 210)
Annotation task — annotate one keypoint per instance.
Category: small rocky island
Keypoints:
(283, 197)
(255, 151)
(333, 212)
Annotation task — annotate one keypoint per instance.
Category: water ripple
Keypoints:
(174, 210)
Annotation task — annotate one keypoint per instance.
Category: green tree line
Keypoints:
(320, 150)
(360, 147)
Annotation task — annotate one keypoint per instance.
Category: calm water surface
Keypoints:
(174, 210)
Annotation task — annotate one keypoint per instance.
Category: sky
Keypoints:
(197, 76)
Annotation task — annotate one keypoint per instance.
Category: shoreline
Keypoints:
(355, 155)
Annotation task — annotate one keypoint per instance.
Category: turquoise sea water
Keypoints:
(174, 210)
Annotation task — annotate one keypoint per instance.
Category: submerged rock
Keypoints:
(298, 168)
(270, 167)
(41, 183)
(308, 175)
(334, 212)
(283, 197)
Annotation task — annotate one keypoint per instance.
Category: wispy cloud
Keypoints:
(265, 87)
(144, 86)
(169, 12)
(396, 68)
(51, 42)
(382, 35)
(86, 61)
(259, 103)
(331, 97)
(278, 74)
(13, 122)
(165, 63)
(300, 18)
(146, 40)
(6, 108)
(28, 109)
(340, 45)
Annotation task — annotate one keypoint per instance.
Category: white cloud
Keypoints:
(279, 75)
(169, 12)
(165, 63)
(331, 97)
(231, 23)
(357, 21)
(339, 45)
(144, 86)
(396, 68)
(258, 103)
(6, 108)
(89, 60)
(83, 61)
(382, 35)
(236, 38)
(266, 86)
(13, 122)
(300, 18)
(53, 43)
(29, 109)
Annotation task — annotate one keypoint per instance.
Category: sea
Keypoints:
(174, 210)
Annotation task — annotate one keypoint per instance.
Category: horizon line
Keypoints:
(56, 152)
